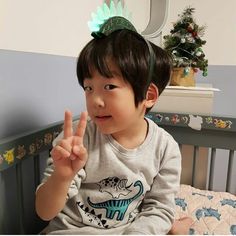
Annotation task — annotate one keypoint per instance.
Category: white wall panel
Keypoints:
(45, 26)
(60, 26)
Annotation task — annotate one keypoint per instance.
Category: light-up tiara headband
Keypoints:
(113, 18)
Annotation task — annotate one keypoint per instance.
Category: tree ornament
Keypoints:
(194, 34)
(205, 73)
(190, 38)
(190, 28)
(199, 53)
(174, 52)
(186, 71)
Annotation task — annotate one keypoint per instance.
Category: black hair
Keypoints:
(130, 52)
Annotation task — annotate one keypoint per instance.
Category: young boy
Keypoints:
(118, 172)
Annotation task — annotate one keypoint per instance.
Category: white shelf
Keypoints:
(193, 100)
(197, 88)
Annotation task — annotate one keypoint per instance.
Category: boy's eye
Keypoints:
(87, 88)
(109, 86)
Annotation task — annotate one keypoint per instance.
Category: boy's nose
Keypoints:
(98, 101)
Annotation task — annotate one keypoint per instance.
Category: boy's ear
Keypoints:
(151, 95)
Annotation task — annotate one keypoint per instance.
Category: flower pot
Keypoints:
(179, 78)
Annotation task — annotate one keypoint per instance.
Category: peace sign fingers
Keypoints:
(77, 137)
(82, 125)
(69, 155)
(68, 130)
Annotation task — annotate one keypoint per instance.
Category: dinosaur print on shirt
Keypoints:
(118, 206)
(114, 186)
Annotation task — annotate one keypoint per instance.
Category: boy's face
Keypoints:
(110, 103)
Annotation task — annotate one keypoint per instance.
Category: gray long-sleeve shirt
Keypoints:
(122, 191)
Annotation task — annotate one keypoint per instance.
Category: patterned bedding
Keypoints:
(212, 212)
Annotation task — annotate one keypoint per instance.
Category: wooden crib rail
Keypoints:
(19, 167)
(14, 149)
(205, 131)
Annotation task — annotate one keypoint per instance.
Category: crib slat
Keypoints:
(230, 169)
(195, 155)
(212, 167)
(180, 147)
(36, 171)
(20, 196)
(1, 208)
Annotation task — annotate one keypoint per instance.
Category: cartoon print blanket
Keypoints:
(212, 212)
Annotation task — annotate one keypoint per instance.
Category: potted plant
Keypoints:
(184, 43)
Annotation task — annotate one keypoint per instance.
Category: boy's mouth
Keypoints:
(102, 118)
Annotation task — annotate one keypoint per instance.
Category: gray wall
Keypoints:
(223, 78)
(35, 89)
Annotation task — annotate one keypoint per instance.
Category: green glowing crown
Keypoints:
(109, 19)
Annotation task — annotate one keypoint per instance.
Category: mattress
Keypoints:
(212, 212)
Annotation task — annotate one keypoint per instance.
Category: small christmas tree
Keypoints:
(185, 44)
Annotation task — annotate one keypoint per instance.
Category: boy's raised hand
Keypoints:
(70, 155)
